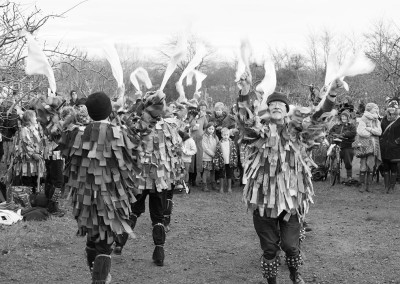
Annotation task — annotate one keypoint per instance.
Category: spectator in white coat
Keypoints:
(188, 150)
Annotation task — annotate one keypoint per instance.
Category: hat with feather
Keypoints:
(392, 102)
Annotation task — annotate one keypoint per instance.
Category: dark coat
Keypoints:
(384, 123)
(390, 141)
(348, 131)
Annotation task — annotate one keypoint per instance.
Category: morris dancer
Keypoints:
(161, 165)
(100, 167)
(276, 168)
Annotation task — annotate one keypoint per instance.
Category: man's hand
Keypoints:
(300, 113)
(336, 85)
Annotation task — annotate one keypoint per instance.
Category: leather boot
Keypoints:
(159, 240)
(386, 180)
(101, 269)
(362, 181)
(53, 206)
(270, 269)
(121, 240)
(392, 182)
(295, 276)
(293, 263)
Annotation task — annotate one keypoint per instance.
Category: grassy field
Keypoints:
(355, 238)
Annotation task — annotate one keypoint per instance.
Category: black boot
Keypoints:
(349, 173)
(392, 182)
(293, 263)
(132, 220)
(120, 242)
(386, 180)
(90, 257)
(270, 269)
(159, 240)
(53, 206)
(122, 239)
(101, 269)
(295, 276)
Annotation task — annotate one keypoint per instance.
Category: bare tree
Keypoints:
(296, 62)
(279, 57)
(384, 49)
(326, 42)
(313, 55)
(72, 67)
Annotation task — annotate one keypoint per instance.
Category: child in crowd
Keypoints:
(225, 160)
(188, 150)
(210, 141)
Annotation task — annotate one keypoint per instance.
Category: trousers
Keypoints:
(100, 246)
(276, 233)
(156, 205)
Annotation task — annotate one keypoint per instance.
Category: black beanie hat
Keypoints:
(98, 106)
(275, 96)
(184, 135)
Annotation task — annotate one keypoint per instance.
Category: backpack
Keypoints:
(35, 214)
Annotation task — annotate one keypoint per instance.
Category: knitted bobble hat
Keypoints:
(98, 106)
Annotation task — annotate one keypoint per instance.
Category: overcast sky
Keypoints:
(148, 23)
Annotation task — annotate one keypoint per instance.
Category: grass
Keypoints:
(37, 234)
(354, 239)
